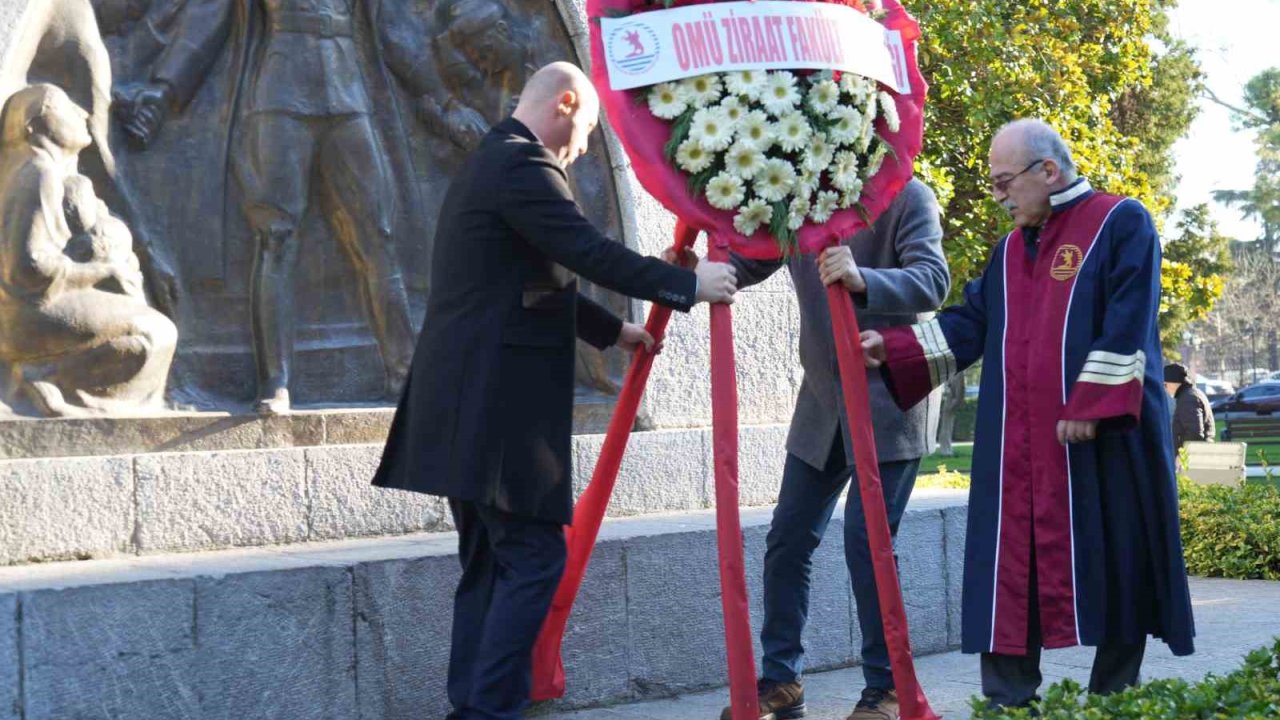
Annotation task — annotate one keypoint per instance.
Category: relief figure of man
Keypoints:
(310, 104)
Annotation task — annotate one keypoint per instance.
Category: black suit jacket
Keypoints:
(487, 412)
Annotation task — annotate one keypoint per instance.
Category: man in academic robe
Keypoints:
(1073, 532)
(486, 415)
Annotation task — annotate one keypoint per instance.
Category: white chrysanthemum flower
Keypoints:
(726, 191)
(748, 83)
(844, 171)
(850, 197)
(889, 108)
(733, 109)
(692, 157)
(744, 159)
(807, 183)
(848, 126)
(754, 128)
(775, 180)
(871, 107)
(712, 129)
(797, 212)
(703, 90)
(668, 100)
(865, 137)
(824, 207)
(780, 93)
(793, 131)
(877, 159)
(752, 216)
(819, 153)
(823, 96)
(855, 86)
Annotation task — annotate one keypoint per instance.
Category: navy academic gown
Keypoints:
(1067, 330)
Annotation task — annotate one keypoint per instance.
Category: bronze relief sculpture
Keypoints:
(79, 336)
(278, 165)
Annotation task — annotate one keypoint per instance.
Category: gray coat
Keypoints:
(907, 279)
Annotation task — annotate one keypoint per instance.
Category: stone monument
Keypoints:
(78, 336)
(102, 610)
(279, 164)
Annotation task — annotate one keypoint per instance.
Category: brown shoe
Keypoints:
(876, 704)
(778, 701)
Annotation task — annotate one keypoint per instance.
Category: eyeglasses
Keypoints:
(1003, 184)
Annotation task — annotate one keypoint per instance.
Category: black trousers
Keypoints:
(1012, 680)
(511, 566)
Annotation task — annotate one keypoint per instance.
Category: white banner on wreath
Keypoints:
(663, 45)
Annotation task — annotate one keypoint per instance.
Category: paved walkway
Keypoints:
(1232, 618)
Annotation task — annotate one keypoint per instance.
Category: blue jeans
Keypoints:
(805, 504)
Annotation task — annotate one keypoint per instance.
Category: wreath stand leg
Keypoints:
(733, 584)
(588, 514)
(853, 379)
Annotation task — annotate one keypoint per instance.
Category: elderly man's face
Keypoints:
(1021, 182)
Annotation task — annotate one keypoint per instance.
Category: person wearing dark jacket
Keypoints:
(1192, 415)
(486, 414)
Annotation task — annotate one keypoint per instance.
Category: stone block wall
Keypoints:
(360, 628)
(63, 508)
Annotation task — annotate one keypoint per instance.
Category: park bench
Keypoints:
(1252, 428)
(1220, 463)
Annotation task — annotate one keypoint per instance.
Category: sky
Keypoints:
(1233, 48)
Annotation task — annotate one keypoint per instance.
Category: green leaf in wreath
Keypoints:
(862, 213)
(698, 182)
(785, 236)
(679, 133)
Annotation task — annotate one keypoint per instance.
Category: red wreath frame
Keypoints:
(643, 137)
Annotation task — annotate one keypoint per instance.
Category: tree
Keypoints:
(1247, 318)
(1196, 265)
(1261, 112)
(1106, 74)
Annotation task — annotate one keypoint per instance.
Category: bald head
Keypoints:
(551, 81)
(1029, 162)
(560, 105)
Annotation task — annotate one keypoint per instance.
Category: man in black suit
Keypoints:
(485, 418)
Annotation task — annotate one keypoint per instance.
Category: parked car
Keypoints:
(1253, 401)
(1274, 377)
(1214, 389)
(1249, 376)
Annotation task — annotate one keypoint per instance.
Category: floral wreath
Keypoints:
(770, 162)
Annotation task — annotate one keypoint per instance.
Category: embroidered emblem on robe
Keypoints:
(1066, 262)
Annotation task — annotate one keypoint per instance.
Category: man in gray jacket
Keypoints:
(897, 275)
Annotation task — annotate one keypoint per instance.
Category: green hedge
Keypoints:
(1231, 531)
(1250, 693)
(1227, 531)
(966, 421)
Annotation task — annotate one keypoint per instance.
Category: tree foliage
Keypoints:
(1105, 73)
(1247, 318)
(1261, 113)
(1197, 261)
